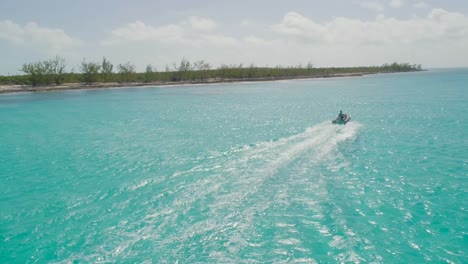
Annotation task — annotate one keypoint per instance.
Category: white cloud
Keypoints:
(375, 5)
(421, 5)
(139, 31)
(246, 22)
(396, 3)
(439, 25)
(220, 40)
(302, 27)
(437, 39)
(35, 36)
(257, 41)
(200, 23)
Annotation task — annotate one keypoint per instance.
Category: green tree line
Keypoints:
(53, 72)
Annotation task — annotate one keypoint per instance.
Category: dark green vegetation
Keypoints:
(45, 72)
(52, 72)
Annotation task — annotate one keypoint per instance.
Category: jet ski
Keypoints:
(342, 120)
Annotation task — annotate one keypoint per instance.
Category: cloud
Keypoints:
(193, 32)
(220, 40)
(253, 40)
(200, 23)
(139, 31)
(35, 36)
(396, 3)
(300, 26)
(374, 5)
(246, 22)
(438, 25)
(339, 41)
(421, 5)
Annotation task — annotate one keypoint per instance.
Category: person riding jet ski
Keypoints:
(342, 119)
(341, 115)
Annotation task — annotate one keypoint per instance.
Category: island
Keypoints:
(50, 75)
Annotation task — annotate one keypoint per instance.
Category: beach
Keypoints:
(110, 85)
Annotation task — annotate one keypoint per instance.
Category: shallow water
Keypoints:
(246, 172)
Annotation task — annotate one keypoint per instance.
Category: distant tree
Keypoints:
(310, 66)
(252, 70)
(400, 67)
(106, 69)
(45, 72)
(201, 67)
(181, 71)
(52, 71)
(148, 72)
(56, 68)
(126, 71)
(184, 69)
(223, 70)
(184, 65)
(90, 71)
(48, 73)
(34, 71)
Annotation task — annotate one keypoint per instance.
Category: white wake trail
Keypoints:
(241, 187)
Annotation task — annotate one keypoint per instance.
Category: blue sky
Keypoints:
(326, 33)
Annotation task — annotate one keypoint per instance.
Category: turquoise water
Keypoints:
(239, 173)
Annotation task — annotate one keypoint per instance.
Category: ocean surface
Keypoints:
(239, 173)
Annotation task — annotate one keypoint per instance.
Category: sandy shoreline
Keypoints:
(82, 86)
